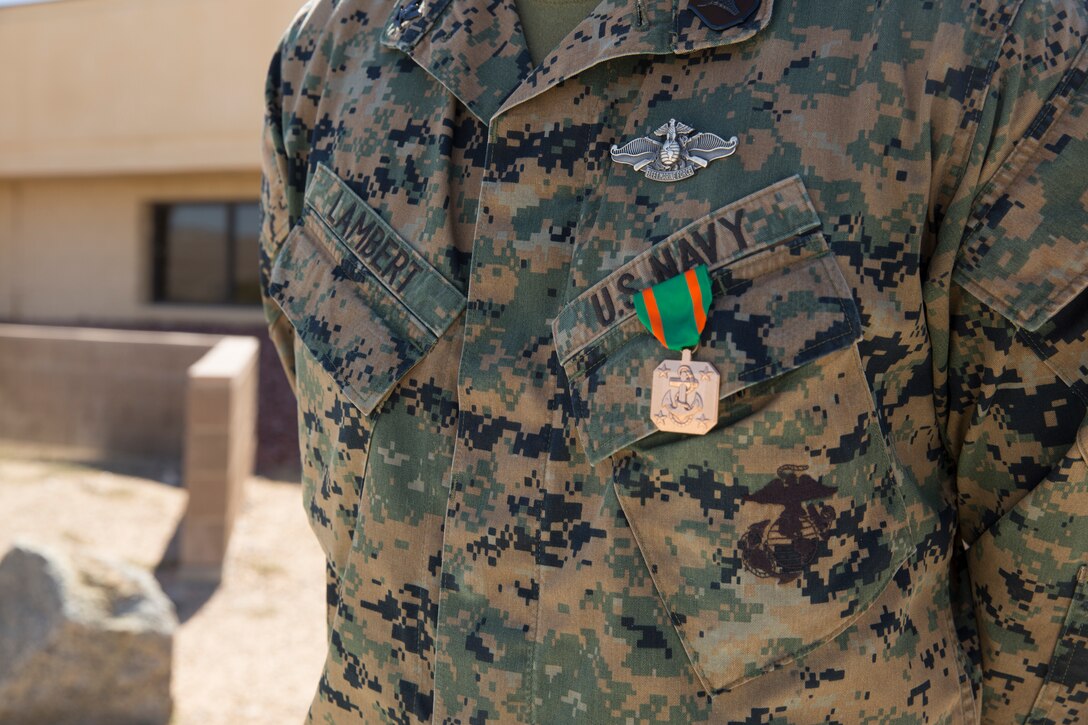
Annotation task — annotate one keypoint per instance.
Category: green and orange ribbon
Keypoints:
(675, 310)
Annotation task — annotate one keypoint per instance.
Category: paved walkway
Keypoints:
(248, 652)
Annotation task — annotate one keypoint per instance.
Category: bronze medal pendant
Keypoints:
(684, 395)
(684, 398)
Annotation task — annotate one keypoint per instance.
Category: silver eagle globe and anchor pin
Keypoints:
(677, 156)
(684, 392)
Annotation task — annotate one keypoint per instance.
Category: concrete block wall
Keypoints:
(96, 395)
(93, 394)
(220, 449)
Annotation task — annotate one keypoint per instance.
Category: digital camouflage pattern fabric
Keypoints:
(885, 524)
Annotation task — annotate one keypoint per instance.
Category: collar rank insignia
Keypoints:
(723, 14)
(677, 155)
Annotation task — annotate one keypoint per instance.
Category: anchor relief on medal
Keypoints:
(677, 156)
(684, 393)
(685, 396)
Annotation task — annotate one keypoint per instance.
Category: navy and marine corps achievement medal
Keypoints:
(684, 398)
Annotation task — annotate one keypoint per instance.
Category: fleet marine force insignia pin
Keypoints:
(675, 157)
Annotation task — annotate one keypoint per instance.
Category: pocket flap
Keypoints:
(780, 301)
(365, 303)
(1024, 252)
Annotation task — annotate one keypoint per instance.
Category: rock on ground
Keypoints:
(248, 653)
(83, 640)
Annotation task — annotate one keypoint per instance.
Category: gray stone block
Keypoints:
(83, 641)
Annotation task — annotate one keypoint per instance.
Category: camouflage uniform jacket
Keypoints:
(883, 526)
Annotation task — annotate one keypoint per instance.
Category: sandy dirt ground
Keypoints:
(247, 651)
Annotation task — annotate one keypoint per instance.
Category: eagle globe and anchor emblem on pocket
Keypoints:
(784, 547)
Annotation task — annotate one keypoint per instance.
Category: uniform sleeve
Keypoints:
(1018, 382)
(275, 216)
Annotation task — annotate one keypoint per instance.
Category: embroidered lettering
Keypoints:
(734, 226)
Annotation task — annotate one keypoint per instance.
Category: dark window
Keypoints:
(206, 253)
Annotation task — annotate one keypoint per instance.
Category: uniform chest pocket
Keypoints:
(362, 301)
(367, 310)
(771, 533)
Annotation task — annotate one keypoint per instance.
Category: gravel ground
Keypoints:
(248, 651)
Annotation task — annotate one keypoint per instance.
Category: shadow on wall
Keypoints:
(187, 593)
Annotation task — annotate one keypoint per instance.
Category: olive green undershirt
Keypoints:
(546, 22)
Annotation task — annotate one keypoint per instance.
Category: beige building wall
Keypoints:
(121, 86)
(7, 246)
(78, 250)
(109, 106)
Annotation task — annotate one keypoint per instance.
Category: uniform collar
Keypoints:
(477, 50)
